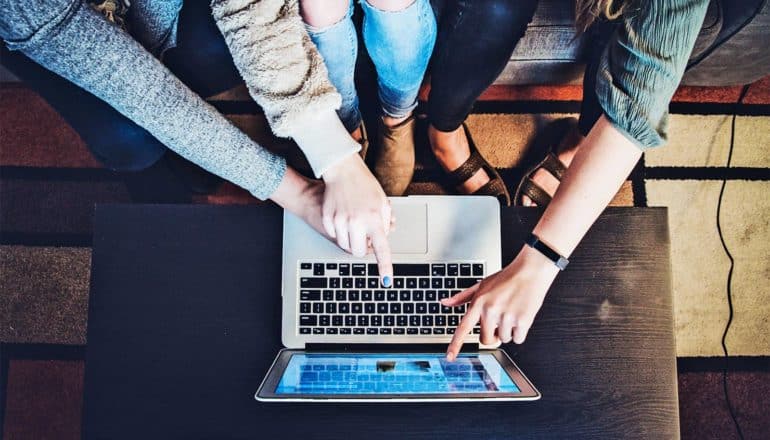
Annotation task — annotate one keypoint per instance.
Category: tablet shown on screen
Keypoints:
(485, 375)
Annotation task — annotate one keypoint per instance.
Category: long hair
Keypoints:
(587, 11)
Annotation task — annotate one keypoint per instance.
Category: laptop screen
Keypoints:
(330, 374)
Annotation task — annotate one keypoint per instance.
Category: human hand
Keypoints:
(357, 214)
(302, 197)
(505, 302)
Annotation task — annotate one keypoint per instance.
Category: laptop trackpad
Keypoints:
(411, 233)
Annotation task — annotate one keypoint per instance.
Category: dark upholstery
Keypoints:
(730, 50)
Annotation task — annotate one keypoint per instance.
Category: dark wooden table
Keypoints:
(184, 321)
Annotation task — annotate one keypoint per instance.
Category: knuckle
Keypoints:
(487, 340)
(524, 321)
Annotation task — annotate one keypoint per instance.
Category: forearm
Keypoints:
(604, 160)
(84, 48)
(286, 76)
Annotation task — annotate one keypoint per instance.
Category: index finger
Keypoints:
(381, 248)
(466, 326)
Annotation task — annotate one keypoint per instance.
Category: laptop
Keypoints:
(348, 339)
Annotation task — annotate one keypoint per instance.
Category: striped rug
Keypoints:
(49, 183)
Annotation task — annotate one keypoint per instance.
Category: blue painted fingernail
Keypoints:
(386, 281)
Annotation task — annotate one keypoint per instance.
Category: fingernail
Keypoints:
(386, 281)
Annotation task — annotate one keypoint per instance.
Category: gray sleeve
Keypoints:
(72, 40)
(643, 65)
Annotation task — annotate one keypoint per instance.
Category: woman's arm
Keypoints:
(637, 77)
(287, 77)
(72, 40)
(506, 303)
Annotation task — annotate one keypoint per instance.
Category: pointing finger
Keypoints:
(381, 248)
(466, 326)
(462, 297)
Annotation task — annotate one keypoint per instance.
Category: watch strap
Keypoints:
(559, 260)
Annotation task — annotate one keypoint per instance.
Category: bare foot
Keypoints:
(567, 149)
(452, 150)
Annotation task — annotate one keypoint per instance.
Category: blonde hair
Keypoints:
(587, 11)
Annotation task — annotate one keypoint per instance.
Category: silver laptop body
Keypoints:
(429, 230)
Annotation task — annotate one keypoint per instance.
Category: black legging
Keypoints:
(474, 44)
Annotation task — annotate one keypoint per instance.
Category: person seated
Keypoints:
(639, 56)
(272, 53)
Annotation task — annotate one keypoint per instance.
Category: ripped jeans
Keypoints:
(399, 43)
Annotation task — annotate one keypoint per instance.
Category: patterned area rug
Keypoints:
(49, 184)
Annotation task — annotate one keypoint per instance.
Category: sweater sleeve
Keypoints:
(286, 76)
(72, 40)
(643, 65)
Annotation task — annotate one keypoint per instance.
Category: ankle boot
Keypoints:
(394, 166)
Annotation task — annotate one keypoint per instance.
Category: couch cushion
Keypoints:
(550, 53)
(743, 58)
(712, 24)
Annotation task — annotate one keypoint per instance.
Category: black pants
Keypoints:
(474, 43)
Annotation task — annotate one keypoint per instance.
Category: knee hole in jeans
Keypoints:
(316, 17)
(390, 5)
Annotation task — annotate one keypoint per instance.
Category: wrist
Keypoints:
(533, 261)
(290, 192)
(324, 141)
(343, 168)
(536, 243)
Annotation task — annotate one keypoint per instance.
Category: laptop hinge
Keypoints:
(388, 348)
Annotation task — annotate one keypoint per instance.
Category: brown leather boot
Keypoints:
(394, 166)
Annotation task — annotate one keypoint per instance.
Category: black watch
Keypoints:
(534, 242)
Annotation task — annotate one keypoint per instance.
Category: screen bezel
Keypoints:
(266, 391)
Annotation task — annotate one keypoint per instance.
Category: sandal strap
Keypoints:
(465, 171)
(553, 165)
(535, 192)
(495, 187)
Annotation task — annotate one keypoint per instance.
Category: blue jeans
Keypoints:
(399, 43)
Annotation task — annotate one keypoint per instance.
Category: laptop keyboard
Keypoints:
(348, 299)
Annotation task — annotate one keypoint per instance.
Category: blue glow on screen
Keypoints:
(394, 374)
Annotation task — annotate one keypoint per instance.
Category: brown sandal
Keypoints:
(495, 187)
(552, 137)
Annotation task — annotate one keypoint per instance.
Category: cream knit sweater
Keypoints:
(286, 76)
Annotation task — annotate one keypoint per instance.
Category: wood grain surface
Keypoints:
(184, 321)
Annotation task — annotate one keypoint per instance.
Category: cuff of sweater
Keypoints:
(274, 169)
(323, 139)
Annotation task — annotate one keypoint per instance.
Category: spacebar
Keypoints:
(406, 270)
